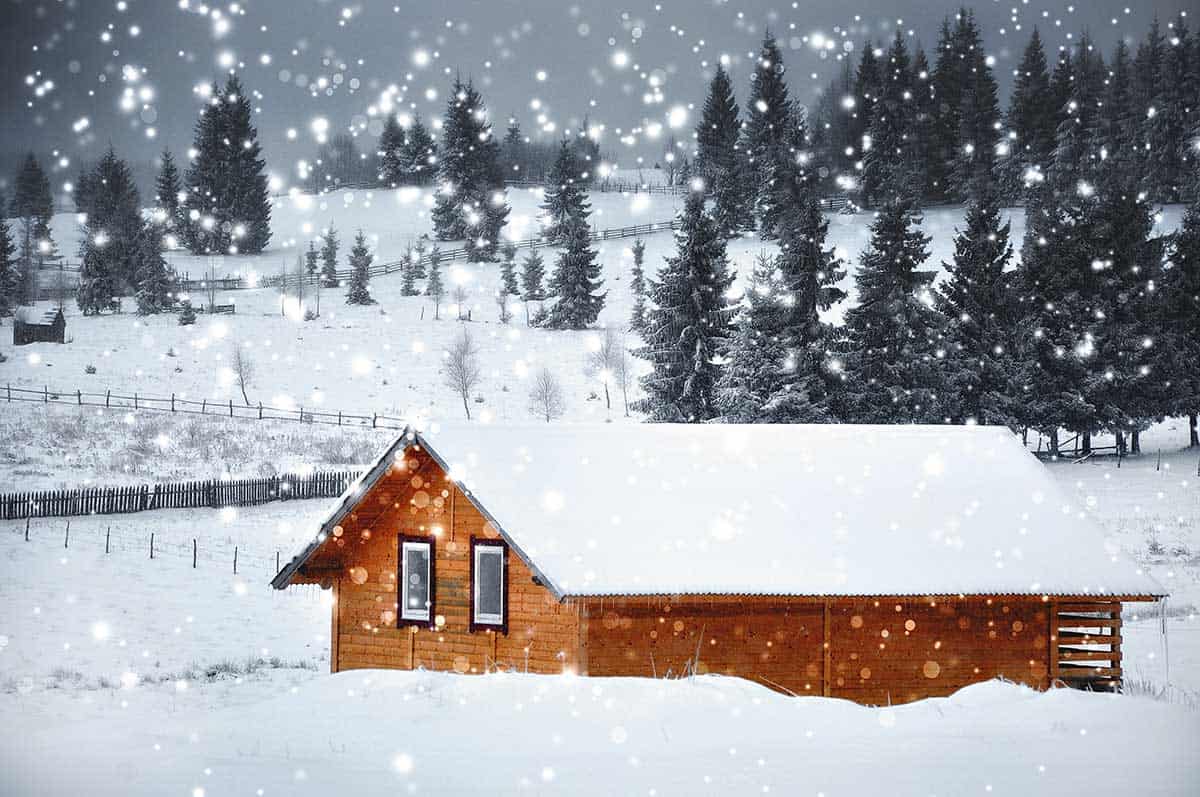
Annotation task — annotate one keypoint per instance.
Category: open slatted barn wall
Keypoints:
(417, 499)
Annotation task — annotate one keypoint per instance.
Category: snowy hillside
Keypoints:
(387, 358)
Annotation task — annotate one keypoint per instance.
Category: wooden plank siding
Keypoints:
(415, 498)
(873, 650)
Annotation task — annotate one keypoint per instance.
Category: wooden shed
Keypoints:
(876, 563)
(52, 328)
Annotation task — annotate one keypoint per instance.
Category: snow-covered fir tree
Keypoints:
(508, 269)
(10, 274)
(359, 290)
(925, 112)
(187, 313)
(227, 202)
(769, 117)
(960, 58)
(891, 147)
(153, 276)
(110, 206)
(1178, 343)
(408, 272)
(980, 310)
(566, 196)
(720, 160)
(533, 274)
(434, 288)
(637, 286)
(971, 175)
(576, 283)
(688, 324)
(311, 261)
(329, 257)
(868, 84)
(1028, 145)
(471, 201)
(32, 205)
(391, 152)
(1078, 143)
(419, 153)
(1169, 120)
(168, 192)
(892, 335)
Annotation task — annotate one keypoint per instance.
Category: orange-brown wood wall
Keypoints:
(880, 650)
(416, 498)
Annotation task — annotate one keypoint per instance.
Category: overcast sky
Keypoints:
(76, 75)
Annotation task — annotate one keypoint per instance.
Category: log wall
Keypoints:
(415, 498)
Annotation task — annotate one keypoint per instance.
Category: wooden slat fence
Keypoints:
(212, 493)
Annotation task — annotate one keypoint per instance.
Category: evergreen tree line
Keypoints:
(898, 123)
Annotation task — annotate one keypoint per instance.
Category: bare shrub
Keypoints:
(463, 373)
(546, 399)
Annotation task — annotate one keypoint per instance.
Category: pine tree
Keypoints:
(892, 335)
(359, 291)
(868, 85)
(533, 272)
(391, 153)
(10, 275)
(471, 203)
(33, 206)
(153, 277)
(637, 286)
(434, 288)
(329, 258)
(227, 201)
(167, 193)
(688, 325)
(508, 270)
(720, 159)
(408, 273)
(310, 261)
(767, 125)
(1168, 145)
(1078, 142)
(1031, 125)
(1178, 346)
(566, 199)
(889, 169)
(960, 67)
(419, 154)
(980, 311)
(925, 113)
(979, 117)
(576, 281)
(512, 150)
(109, 203)
(187, 314)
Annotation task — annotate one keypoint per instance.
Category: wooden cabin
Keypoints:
(52, 328)
(882, 564)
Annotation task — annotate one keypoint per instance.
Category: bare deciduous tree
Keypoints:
(503, 306)
(546, 398)
(243, 369)
(623, 373)
(463, 373)
(460, 297)
(604, 362)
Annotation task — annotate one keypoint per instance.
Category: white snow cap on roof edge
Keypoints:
(832, 509)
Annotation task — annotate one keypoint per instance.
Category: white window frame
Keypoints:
(481, 618)
(407, 612)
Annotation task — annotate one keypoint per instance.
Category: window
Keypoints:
(489, 606)
(416, 580)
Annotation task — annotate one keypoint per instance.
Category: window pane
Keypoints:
(489, 576)
(416, 595)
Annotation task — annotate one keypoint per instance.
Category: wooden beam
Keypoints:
(335, 623)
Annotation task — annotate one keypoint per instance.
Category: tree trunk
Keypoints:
(1053, 442)
(1120, 443)
(1193, 432)
(1135, 441)
(466, 406)
(245, 398)
(607, 398)
(1087, 443)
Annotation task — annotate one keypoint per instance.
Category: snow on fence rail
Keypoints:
(214, 493)
(151, 545)
(224, 409)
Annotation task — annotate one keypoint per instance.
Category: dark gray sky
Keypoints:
(76, 75)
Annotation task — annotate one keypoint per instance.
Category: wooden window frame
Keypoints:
(402, 621)
(502, 626)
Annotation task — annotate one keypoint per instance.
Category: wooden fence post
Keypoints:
(276, 561)
(107, 532)
(79, 397)
(172, 402)
(231, 408)
(152, 545)
(26, 529)
(135, 406)
(67, 538)
(45, 394)
(235, 552)
(194, 553)
(107, 398)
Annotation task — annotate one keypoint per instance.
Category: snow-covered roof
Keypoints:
(778, 510)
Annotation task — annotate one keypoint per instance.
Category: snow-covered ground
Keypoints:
(387, 358)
